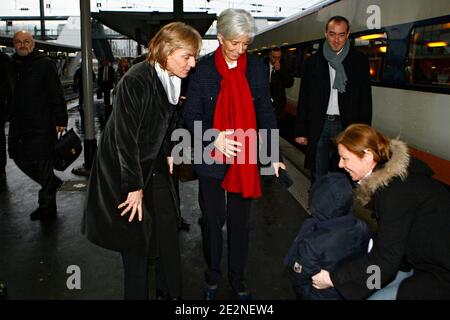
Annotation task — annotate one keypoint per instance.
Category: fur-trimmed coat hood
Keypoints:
(396, 167)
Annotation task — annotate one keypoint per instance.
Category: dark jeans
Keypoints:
(215, 210)
(326, 153)
(41, 171)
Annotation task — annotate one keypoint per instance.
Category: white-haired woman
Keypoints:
(229, 91)
(130, 175)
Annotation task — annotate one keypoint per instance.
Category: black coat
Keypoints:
(279, 81)
(355, 104)
(330, 237)
(413, 213)
(38, 107)
(6, 84)
(203, 90)
(136, 135)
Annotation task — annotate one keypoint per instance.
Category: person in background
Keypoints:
(280, 79)
(334, 93)
(229, 90)
(78, 87)
(6, 83)
(38, 113)
(409, 258)
(122, 68)
(106, 78)
(131, 204)
(331, 236)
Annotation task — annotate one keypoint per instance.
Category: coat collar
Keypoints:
(396, 167)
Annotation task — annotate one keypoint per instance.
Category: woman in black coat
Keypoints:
(130, 175)
(413, 211)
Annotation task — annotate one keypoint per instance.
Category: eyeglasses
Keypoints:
(24, 42)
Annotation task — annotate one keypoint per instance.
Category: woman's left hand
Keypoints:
(133, 203)
(322, 280)
(277, 166)
(170, 164)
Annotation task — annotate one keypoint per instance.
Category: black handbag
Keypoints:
(67, 149)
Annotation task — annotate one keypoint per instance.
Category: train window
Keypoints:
(374, 46)
(429, 56)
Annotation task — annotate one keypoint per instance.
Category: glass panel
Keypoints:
(375, 47)
(429, 56)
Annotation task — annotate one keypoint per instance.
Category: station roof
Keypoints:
(142, 26)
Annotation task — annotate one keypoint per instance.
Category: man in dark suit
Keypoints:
(106, 76)
(335, 92)
(280, 79)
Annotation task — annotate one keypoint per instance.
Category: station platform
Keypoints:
(35, 256)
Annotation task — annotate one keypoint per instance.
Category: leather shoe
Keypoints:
(43, 214)
(210, 292)
(243, 295)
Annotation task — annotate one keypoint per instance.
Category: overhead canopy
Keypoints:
(142, 26)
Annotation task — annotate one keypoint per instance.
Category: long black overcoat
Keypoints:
(138, 130)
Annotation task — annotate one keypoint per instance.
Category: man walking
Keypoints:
(39, 112)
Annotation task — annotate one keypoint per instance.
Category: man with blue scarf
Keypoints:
(334, 93)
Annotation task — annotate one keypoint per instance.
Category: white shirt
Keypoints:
(231, 65)
(333, 103)
(171, 84)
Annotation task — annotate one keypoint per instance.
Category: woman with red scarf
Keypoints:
(229, 92)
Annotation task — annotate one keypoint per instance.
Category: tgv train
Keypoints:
(408, 45)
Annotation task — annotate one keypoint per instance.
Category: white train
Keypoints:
(408, 45)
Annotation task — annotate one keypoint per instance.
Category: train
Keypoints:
(408, 46)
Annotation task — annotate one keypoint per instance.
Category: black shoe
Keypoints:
(2, 182)
(184, 225)
(160, 295)
(210, 292)
(3, 291)
(43, 214)
(243, 295)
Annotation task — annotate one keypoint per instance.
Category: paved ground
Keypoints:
(35, 256)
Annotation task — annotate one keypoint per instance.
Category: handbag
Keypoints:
(67, 149)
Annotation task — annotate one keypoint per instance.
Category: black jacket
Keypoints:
(203, 90)
(38, 107)
(355, 104)
(330, 237)
(136, 135)
(6, 79)
(279, 81)
(413, 213)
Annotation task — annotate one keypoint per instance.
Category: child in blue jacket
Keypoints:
(331, 236)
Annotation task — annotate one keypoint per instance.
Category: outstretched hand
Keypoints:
(133, 203)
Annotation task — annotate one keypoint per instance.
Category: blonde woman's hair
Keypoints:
(360, 138)
(173, 36)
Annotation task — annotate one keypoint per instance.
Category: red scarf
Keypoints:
(235, 110)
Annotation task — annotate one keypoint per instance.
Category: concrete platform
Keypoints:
(35, 256)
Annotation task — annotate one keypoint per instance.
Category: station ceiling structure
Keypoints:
(141, 26)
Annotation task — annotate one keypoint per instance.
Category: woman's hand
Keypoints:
(133, 203)
(322, 280)
(170, 164)
(228, 147)
(277, 166)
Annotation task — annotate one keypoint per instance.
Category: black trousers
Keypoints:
(216, 208)
(168, 261)
(2, 142)
(41, 171)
